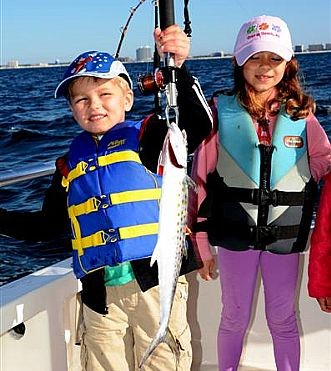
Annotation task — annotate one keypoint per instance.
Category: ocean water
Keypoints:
(34, 127)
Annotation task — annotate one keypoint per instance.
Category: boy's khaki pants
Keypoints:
(118, 340)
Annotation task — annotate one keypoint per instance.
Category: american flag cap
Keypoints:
(95, 64)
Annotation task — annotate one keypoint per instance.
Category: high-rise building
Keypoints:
(315, 47)
(13, 64)
(144, 54)
(298, 48)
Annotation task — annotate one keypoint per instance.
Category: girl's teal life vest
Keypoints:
(113, 200)
(260, 197)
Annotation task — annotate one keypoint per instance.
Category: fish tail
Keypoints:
(174, 345)
(162, 337)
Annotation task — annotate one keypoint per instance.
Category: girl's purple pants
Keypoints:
(238, 275)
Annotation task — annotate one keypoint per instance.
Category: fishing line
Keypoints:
(133, 10)
(125, 28)
(154, 82)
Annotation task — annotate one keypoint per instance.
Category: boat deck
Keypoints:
(45, 302)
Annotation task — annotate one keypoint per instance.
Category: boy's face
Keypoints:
(99, 104)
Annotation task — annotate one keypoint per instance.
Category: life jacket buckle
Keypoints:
(264, 197)
(102, 201)
(265, 235)
(110, 235)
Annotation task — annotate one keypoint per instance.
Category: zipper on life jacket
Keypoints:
(264, 194)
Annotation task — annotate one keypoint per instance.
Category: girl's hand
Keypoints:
(207, 272)
(172, 40)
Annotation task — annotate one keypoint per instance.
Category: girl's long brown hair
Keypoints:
(296, 102)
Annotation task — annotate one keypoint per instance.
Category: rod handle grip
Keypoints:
(167, 13)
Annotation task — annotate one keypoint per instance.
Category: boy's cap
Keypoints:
(95, 64)
(263, 34)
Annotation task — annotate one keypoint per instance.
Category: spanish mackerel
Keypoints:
(170, 246)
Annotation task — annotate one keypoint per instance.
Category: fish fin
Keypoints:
(174, 345)
(178, 144)
(185, 248)
(191, 183)
(158, 339)
(162, 337)
(154, 255)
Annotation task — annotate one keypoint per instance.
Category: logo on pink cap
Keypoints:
(263, 29)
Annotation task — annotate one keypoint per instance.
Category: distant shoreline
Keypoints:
(65, 64)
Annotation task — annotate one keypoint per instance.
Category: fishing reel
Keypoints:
(151, 83)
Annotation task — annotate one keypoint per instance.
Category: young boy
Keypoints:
(112, 201)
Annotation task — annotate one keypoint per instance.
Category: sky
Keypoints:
(42, 31)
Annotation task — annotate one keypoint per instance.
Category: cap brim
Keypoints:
(63, 85)
(243, 55)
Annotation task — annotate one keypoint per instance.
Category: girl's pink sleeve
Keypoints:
(319, 148)
(204, 162)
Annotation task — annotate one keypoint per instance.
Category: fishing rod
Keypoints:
(125, 28)
(167, 18)
(156, 63)
(163, 79)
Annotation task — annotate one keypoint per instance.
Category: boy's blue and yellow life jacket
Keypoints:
(259, 197)
(113, 200)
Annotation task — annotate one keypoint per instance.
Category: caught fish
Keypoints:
(170, 246)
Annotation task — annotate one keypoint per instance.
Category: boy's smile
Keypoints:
(99, 104)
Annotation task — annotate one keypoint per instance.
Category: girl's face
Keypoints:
(99, 104)
(263, 71)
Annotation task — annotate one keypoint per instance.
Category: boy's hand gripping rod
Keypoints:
(167, 18)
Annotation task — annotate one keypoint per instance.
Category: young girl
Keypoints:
(256, 189)
(319, 268)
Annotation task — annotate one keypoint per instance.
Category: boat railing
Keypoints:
(38, 311)
(12, 176)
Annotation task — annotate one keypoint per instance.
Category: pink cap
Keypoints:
(263, 34)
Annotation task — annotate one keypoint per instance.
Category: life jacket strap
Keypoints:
(79, 170)
(113, 235)
(138, 230)
(104, 201)
(115, 157)
(86, 207)
(96, 239)
(83, 167)
(135, 195)
(265, 235)
(265, 197)
(260, 236)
